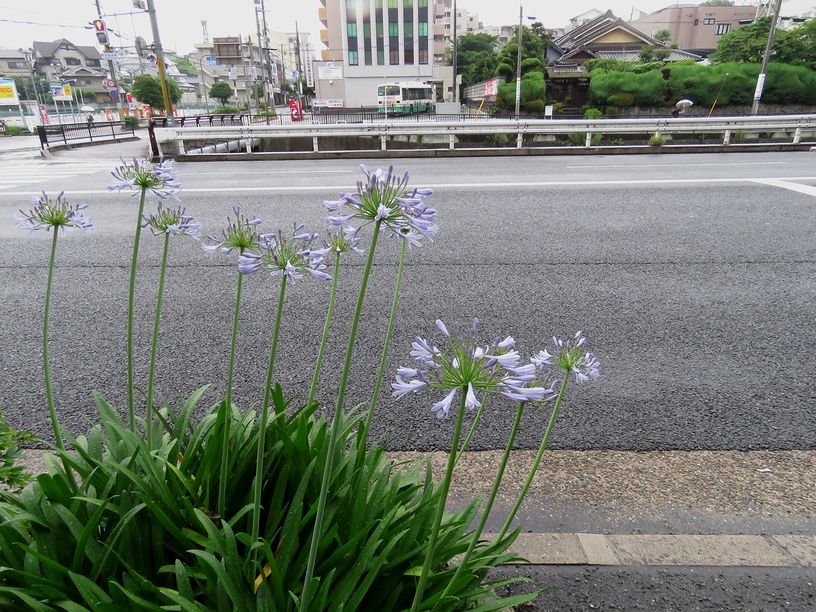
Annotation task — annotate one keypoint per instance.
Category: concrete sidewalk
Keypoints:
(747, 508)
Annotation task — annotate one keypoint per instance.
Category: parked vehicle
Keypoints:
(405, 98)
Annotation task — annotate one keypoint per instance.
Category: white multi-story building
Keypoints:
(368, 42)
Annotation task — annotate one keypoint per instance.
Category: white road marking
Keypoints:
(786, 184)
(745, 163)
(292, 171)
(493, 185)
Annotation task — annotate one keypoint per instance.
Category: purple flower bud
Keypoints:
(441, 326)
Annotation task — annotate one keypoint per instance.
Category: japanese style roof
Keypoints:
(676, 55)
(48, 49)
(79, 71)
(596, 28)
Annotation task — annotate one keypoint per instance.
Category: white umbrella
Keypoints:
(684, 103)
(87, 109)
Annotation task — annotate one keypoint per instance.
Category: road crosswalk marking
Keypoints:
(18, 172)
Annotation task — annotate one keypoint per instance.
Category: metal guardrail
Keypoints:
(91, 131)
(727, 126)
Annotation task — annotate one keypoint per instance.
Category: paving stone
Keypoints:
(721, 550)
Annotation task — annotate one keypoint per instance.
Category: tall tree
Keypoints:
(476, 57)
(147, 89)
(796, 46)
(221, 91)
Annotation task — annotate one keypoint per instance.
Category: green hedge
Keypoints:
(532, 92)
(786, 84)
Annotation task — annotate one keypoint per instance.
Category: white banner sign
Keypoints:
(331, 103)
(330, 72)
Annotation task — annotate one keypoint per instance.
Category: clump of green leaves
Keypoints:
(13, 475)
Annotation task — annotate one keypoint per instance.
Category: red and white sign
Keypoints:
(491, 87)
(108, 84)
(295, 109)
(44, 115)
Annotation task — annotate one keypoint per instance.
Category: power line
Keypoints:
(52, 25)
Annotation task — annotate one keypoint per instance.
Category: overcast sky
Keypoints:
(180, 20)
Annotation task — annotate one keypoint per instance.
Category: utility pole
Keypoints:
(29, 58)
(518, 63)
(111, 66)
(765, 58)
(454, 58)
(299, 64)
(263, 55)
(157, 47)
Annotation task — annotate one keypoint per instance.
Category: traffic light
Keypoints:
(101, 31)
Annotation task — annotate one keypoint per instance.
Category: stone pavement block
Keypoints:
(597, 549)
(549, 548)
(801, 548)
(721, 550)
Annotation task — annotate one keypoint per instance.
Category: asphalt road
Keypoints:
(693, 282)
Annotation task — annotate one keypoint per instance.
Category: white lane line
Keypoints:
(745, 163)
(786, 184)
(494, 185)
(292, 171)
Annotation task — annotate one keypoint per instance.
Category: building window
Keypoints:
(351, 29)
(392, 4)
(423, 29)
(423, 56)
(393, 56)
(709, 21)
(409, 56)
(409, 29)
(393, 29)
(92, 62)
(72, 61)
(424, 4)
(381, 57)
(16, 64)
(723, 28)
(380, 29)
(353, 58)
(408, 3)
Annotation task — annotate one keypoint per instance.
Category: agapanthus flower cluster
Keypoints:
(173, 221)
(463, 364)
(144, 175)
(56, 213)
(386, 197)
(240, 234)
(288, 258)
(343, 240)
(573, 357)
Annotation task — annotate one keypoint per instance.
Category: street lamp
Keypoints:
(518, 60)
(203, 81)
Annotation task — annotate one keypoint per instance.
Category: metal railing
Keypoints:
(92, 131)
(727, 127)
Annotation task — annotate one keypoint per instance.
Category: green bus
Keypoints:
(405, 98)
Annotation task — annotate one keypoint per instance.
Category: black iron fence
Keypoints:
(92, 131)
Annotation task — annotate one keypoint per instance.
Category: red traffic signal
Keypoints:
(101, 31)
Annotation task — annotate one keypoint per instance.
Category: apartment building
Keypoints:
(368, 42)
(696, 28)
(466, 22)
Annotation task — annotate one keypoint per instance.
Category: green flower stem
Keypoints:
(363, 432)
(52, 409)
(491, 500)
(154, 344)
(225, 455)
(305, 598)
(259, 469)
(131, 295)
(534, 468)
(473, 427)
(326, 325)
(440, 508)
